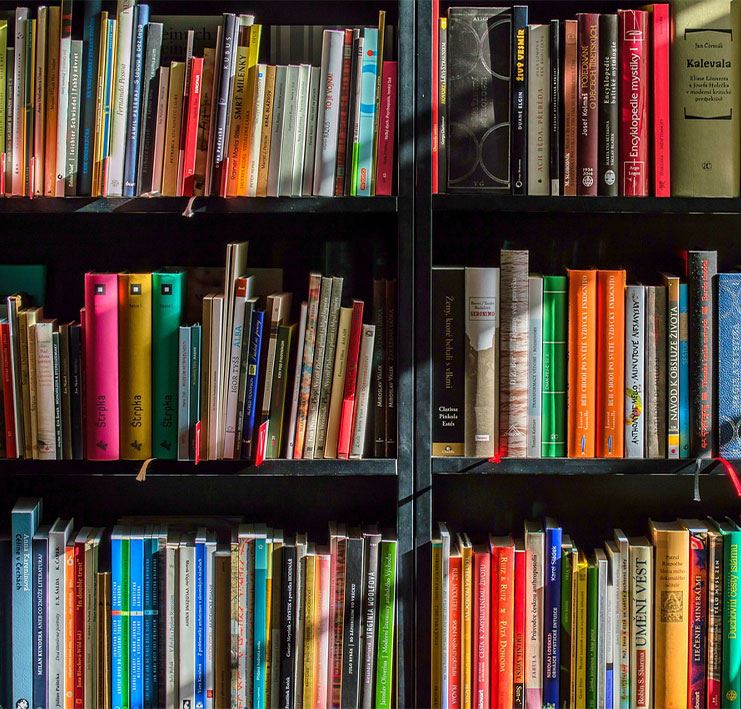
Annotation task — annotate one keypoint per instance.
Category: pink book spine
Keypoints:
(386, 131)
(101, 365)
(323, 568)
(660, 38)
(191, 132)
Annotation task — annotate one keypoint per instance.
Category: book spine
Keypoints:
(186, 635)
(223, 101)
(729, 398)
(538, 115)
(660, 87)
(56, 616)
(298, 146)
(552, 616)
(39, 98)
(731, 667)
(379, 369)
(434, 96)
(163, 90)
(502, 637)
(347, 415)
(136, 618)
(635, 314)
(200, 620)
(253, 165)
(442, 104)
(520, 628)
(370, 608)
(360, 414)
(535, 366)
(287, 659)
(260, 609)
(656, 342)
(40, 630)
(184, 393)
(338, 551)
(148, 122)
(554, 402)
(672, 366)
(195, 385)
(385, 165)
(78, 621)
(587, 129)
(698, 618)
(582, 363)
(280, 386)
(608, 104)
(634, 62)
(570, 106)
(53, 57)
(567, 630)
(454, 634)
(369, 75)
(193, 107)
(684, 373)
(715, 620)
(298, 365)
(554, 121)
(57, 392)
(310, 623)
(595, 673)
(390, 336)
(702, 268)
(352, 622)
(481, 628)
(276, 140)
(117, 676)
(152, 669)
(269, 99)
(386, 621)
(345, 94)
(519, 107)
(10, 441)
(250, 402)
(18, 164)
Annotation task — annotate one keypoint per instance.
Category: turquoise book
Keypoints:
(259, 667)
(731, 670)
(168, 301)
(24, 523)
(363, 149)
(136, 618)
(684, 374)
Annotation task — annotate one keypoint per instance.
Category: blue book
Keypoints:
(200, 669)
(136, 618)
(253, 372)
(159, 541)
(729, 363)
(684, 374)
(40, 547)
(131, 157)
(6, 629)
(24, 523)
(151, 613)
(109, 78)
(259, 661)
(90, 49)
(363, 151)
(552, 613)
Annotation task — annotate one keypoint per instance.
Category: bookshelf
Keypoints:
(643, 235)
(352, 235)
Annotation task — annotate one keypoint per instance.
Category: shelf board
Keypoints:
(571, 466)
(200, 205)
(478, 202)
(371, 467)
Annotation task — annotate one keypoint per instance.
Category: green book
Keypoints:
(125, 613)
(3, 79)
(555, 347)
(280, 386)
(168, 302)
(731, 672)
(592, 633)
(386, 618)
(568, 560)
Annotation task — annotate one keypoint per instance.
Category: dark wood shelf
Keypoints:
(571, 466)
(200, 205)
(477, 202)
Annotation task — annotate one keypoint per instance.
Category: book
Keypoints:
(298, 366)
(587, 102)
(607, 112)
(535, 366)
(40, 629)
(360, 414)
(148, 106)
(554, 402)
(384, 686)
(570, 105)
(172, 138)
(729, 408)
(534, 618)
(729, 689)
(520, 100)
(552, 612)
(386, 144)
(538, 93)
(655, 366)
(347, 413)
(714, 642)
(660, 130)
(635, 333)
(684, 372)
(672, 364)
(555, 143)
(502, 552)
(363, 147)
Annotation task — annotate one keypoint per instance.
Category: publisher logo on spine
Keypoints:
(99, 289)
(482, 308)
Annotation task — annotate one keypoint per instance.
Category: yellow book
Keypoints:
(99, 103)
(310, 627)
(236, 134)
(437, 620)
(466, 549)
(250, 98)
(135, 364)
(671, 613)
(52, 88)
(266, 132)
(172, 130)
(579, 676)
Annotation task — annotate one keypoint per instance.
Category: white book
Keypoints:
(307, 182)
(601, 560)
(296, 381)
(47, 437)
(235, 363)
(256, 132)
(328, 121)
(184, 393)
(538, 133)
(18, 164)
(58, 536)
(641, 621)
(215, 421)
(614, 589)
(299, 138)
(120, 107)
(635, 335)
(171, 621)
(276, 130)
(535, 366)
(288, 132)
(534, 589)
(186, 623)
(622, 675)
(210, 619)
(362, 393)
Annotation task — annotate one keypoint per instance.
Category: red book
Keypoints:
(502, 619)
(455, 568)
(351, 372)
(481, 625)
(79, 618)
(660, 139)
(191, 127)
(339, 180)
(435, 93)
(518, 663)
(386, 130)
(10, 447)
(698, 616)
(587, 120)
(633, 102)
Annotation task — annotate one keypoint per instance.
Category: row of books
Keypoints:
(208, 612)
(584, 365)
(128, 103)
(587, 106)
(536, 621)
(131, 380)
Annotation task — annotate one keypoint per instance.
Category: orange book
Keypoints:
(454, 630)
(610, 363)
(502, 619)
(582, 362)
(69, 627)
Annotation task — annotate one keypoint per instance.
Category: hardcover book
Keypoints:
(587, 97)
(535, 366)
(538, 115)
(608, 105)
(570, 106)
(554, 402)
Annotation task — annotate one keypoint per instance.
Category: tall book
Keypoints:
(635, 387)
(555, 142)
(730, 680)
(684, 372)
(519, 108)
(607, 112)
(502, 609)
(482, 362)
(554, 401)
(386, 620)
(538, 132)
(149, 96)
(570, 104)
(705, 136)
(552, 613)
(729, 341)
(347, 413)
(587, 97)
(535, 366)
(715, 616)
(660, 38)
(363, 147)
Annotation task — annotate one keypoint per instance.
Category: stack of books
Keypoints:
(256, 379)
(585, 365)
(206, 612)
(98, 103)
(633, 103)
(535, 620)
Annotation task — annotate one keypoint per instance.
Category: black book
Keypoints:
(75, 388)
(150, 83)
(702, 267)
(607, 166)
(448, 366)
(555, 152)
(40, 555)
(390, 361)
(372, 542)
(442, 106)
(221, 118)
(478, 98)
(351, 642)
(287, 636)
(519, 99)
(379, 369)
(6, 626)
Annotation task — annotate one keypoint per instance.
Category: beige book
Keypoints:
(47, 438)
(256, 131)
(208, 304)
(265, 132)
(172, 131)
(40, 100)
(23, 332)
(160, 129)
(338, 383)
(33, 315)
(103, 639)
(204, 119)
(238, 117)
